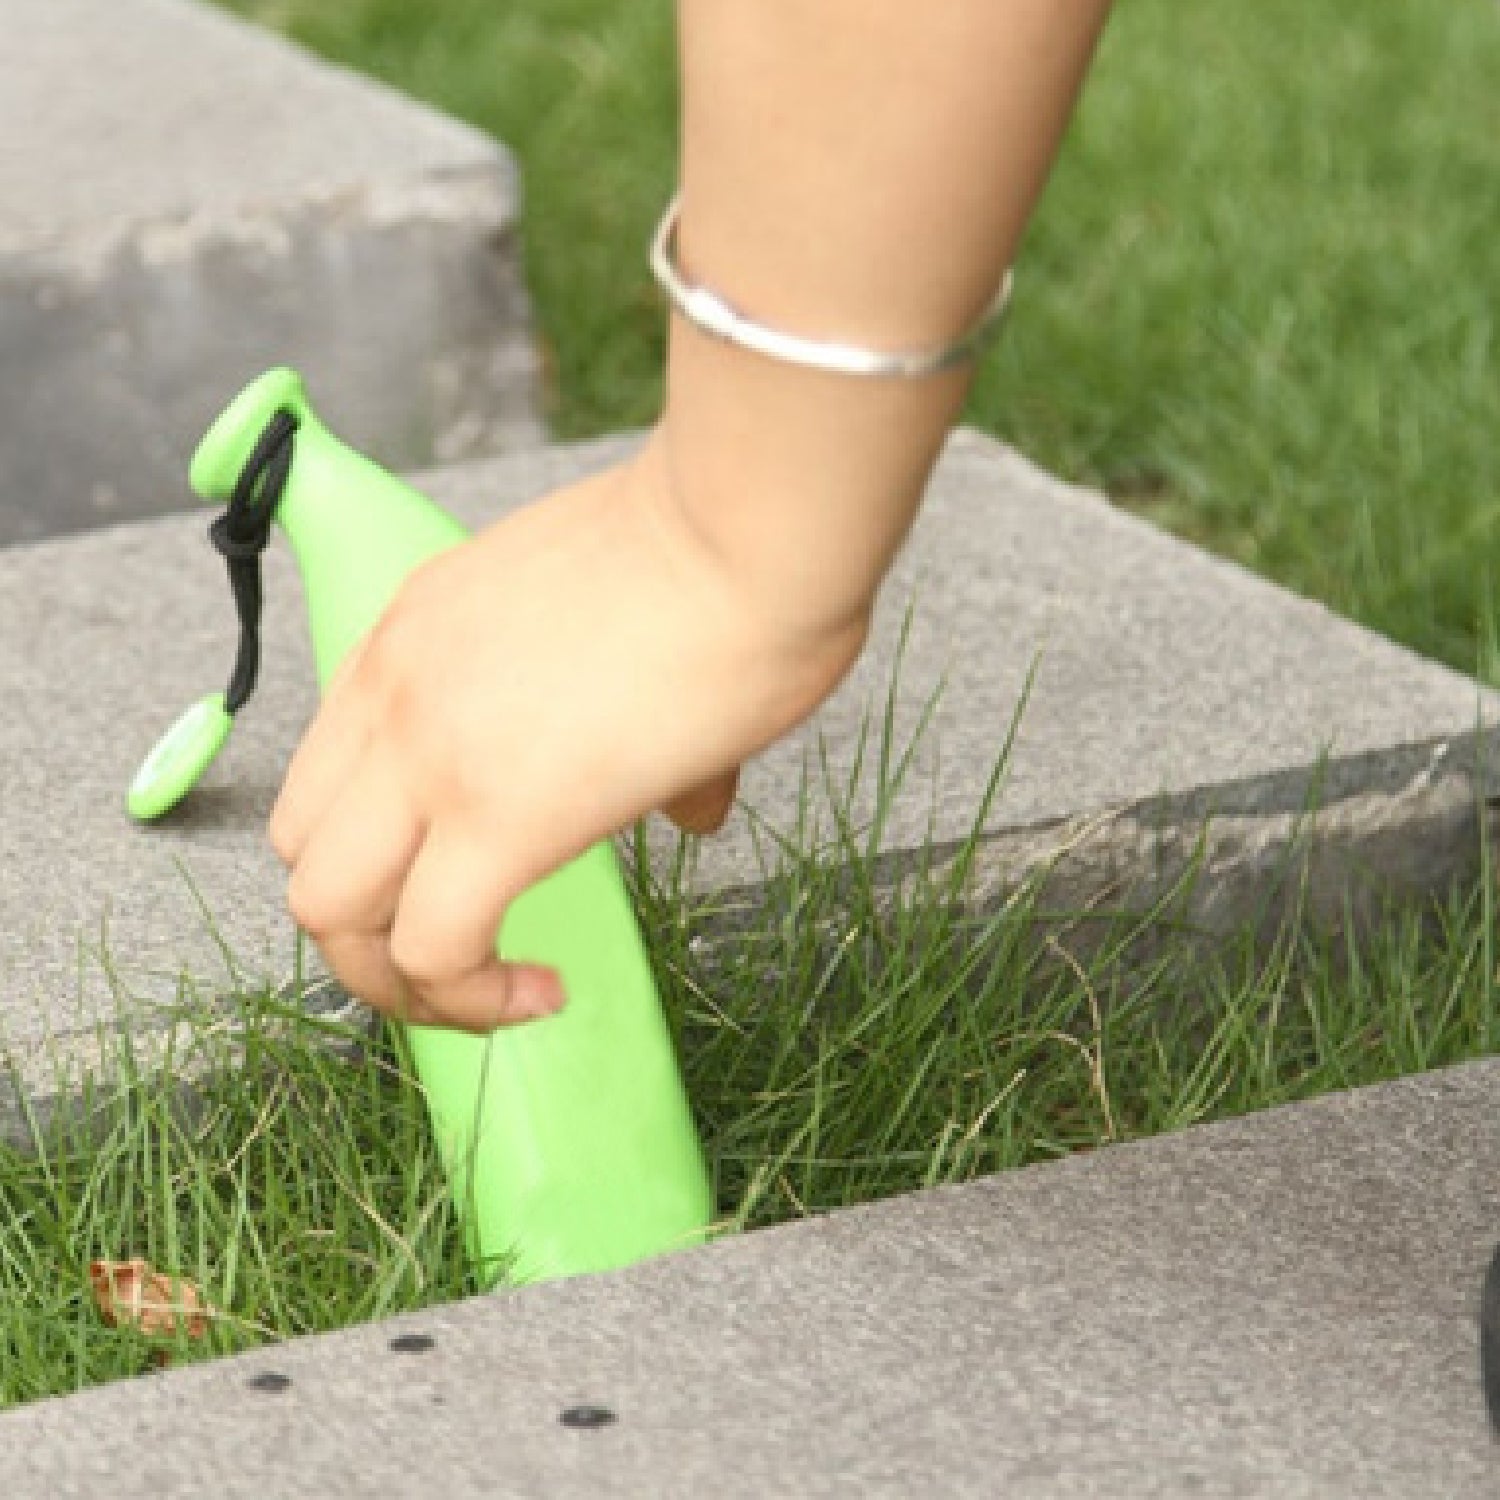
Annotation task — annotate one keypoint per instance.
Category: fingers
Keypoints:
(351, 865)
(407, 920)
(442, 940)
(364, 967)
(362, 962)
(703, 809)
(321, 767)
(345, 883)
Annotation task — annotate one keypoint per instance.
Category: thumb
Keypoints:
(442, 941)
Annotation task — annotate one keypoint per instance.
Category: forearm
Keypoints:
(859, 170)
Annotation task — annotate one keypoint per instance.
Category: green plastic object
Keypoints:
(180, 758)
(569, 1141)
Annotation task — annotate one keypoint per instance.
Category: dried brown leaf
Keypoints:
(131, 1294)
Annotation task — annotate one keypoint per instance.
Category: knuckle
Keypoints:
(283, 839)
(418, 966)
(389, 662)
(390, 646)
(308, 911)
(355, 978)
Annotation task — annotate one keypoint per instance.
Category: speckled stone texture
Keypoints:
(188, 199)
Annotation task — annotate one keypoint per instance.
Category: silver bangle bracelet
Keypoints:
(706, 310)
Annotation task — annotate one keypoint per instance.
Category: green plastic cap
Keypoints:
(221, 456)
(180, 758)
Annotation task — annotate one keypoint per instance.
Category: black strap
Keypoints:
(242, 533)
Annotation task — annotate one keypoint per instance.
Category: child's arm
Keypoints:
(857, 170)
(860, 171)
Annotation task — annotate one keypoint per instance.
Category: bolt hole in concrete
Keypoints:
(587, 1417)
(1489, 1341)
(272, 1382)
(412, 1343)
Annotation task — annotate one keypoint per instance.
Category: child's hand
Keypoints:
(626, 643)
(527, 694)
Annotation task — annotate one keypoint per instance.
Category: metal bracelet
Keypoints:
(706, 310)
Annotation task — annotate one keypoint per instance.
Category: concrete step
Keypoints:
(1283, 1306)
(1179, 705)
(188, 200)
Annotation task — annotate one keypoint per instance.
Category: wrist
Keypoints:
(799, 484)
(790, 585)
(783, 650)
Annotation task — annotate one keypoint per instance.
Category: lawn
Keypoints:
(1258, 301)
(843, 1047)
(1257, 305)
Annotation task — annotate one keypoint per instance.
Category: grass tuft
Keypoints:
(844, 1036)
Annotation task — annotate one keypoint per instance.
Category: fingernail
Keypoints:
(534, 992)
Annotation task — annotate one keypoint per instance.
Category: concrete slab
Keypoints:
(1169, 688)
(1278, 1306)
(189, 199)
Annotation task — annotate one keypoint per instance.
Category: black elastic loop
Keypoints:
(242, 533)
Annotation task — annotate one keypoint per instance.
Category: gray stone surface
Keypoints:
(189, 199)
(1280, 1306)
(1168, 686)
